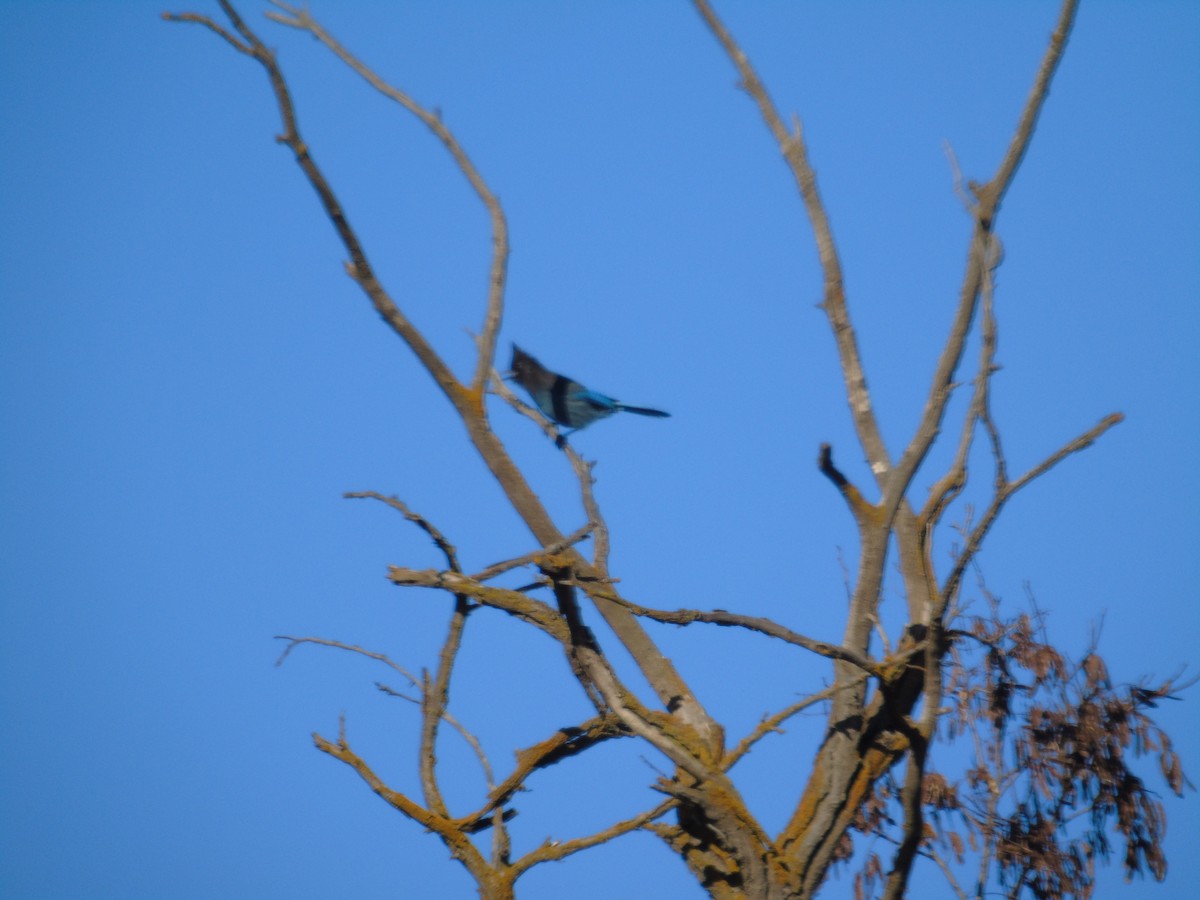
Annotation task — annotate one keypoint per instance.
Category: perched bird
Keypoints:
(564, 401)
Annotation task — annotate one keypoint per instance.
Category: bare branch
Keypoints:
(434, 698)
(208, 23)
(979, 532)
(550, 851)
(943, 378)
(914, 821)
(757, 624)
(960, 191)
(447, 716)
(771, 723)
(947, 872)
(455, 839)
(301, 19)
(563, 744)
(1082, 442)
(294, 642)
(534, 557)
(359, 268)
(1000, 182)
(436, 695)
(424, 524)
(513, 602)
(795, 153)
(952, 484)
(980, 257)
(864, 513)
(341, 750)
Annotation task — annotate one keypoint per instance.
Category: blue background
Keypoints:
(189, 382)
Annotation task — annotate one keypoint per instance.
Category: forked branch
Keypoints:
(299, 18)
(981, 259)
(1003, 494)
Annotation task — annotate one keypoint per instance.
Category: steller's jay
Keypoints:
(564, 401)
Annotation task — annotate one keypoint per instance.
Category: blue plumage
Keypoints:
(563, 401)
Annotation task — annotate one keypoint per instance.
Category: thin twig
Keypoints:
(947, 872)
(454, 838)
(533, 557)
(979, 532)
(424, 524)
(472, 741)
(770, 724)
(550, 850)
(205, 21)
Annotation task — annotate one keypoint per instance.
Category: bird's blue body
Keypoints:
(563, 401)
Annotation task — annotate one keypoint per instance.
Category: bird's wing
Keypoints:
(597, 401)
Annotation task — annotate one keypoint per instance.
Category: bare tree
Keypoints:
(1052, 740)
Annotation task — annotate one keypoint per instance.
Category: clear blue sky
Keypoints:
(188, 383)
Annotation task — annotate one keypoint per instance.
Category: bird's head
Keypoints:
(523, 367)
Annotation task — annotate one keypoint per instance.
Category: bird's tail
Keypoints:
(643, 411)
